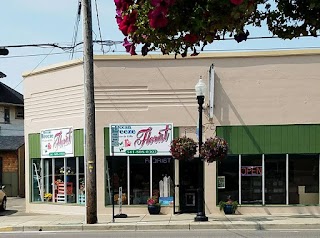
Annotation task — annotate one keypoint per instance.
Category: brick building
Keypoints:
(11, 141)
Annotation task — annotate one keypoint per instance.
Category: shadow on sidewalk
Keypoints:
(8, 212)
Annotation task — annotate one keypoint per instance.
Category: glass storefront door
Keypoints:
(275, 179)
(251, 179)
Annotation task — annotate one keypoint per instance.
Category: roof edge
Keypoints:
(219, 55)
(53, 67)
(240, 54)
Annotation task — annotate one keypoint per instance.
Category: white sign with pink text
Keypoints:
(140, 139)
(57, 142)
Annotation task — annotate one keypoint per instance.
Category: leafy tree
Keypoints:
(174, 26)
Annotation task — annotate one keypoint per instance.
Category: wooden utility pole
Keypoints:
(89, 114)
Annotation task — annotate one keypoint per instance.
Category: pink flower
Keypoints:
(123, 5)
(130, 47)
(118, 19)
(190, 38)
(157, 17)
(236, 2)
(164, 3)
(126, 24)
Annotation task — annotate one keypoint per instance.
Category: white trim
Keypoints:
(53, 180)
(41, 180)
(287, 179)
(263, 181)
(46, 177)
(239, 179)
(150, 159)
(319, 179)
(128, 179)
(77, 180)
(65, 179)
(211, 91)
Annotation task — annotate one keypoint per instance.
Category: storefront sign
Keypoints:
(166, 201)
(141, 139)
(56, 142)
(251, 170)
(158, 160)
(221, 182)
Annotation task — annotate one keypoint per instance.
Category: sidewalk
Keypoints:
(21, 221)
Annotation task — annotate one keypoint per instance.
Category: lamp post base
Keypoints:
(201, 217)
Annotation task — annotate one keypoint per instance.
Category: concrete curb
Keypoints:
(146, 227)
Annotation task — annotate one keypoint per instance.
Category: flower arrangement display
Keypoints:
(117, 199)
(68, 170)
(153, 201)
(48, 196)
(229, 206)
(213, 149)
(154, 206)
(183, 148)
(176, 26)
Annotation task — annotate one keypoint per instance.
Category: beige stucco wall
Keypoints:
(257, 88)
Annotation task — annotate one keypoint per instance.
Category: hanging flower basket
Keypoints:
(183, 148)
(214, 149)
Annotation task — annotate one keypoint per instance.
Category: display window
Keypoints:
(270, 179)
(137, 179)
(228, 178)
(58, 180)
(304, 179)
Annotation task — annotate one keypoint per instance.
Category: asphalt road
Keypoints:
(162, 234)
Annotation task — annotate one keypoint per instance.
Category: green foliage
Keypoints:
(179, 25)
(234, 204)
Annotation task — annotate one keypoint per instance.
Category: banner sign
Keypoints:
(56, 142)
(166, 201)
(141, 139)
(251, 170)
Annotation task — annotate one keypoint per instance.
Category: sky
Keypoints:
(45, 22)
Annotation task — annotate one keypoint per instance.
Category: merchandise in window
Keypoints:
(57, 179)
(36, 181)
(140, 179)
(303, 179)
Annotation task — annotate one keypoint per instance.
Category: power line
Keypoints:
(98, 21)
(35, 67)
(66, 47)
(76, 28)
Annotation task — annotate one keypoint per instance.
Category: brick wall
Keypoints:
(9, 162)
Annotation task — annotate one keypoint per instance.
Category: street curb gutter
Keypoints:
(146, 227)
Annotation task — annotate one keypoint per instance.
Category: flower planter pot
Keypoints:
(228, 209)
(154, 209)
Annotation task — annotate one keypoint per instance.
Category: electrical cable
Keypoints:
(76, 28)
(98, 21)
(34, 68)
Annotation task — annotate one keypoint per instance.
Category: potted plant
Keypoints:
(154, 206)
(229, 206)
(214, 149)
(183, 148)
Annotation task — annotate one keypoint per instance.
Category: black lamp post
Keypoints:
(200, 92)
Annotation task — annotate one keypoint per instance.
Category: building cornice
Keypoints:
(216, 55)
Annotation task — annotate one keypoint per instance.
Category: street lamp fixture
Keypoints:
(200, 92)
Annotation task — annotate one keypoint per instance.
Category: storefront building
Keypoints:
(263, 103)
